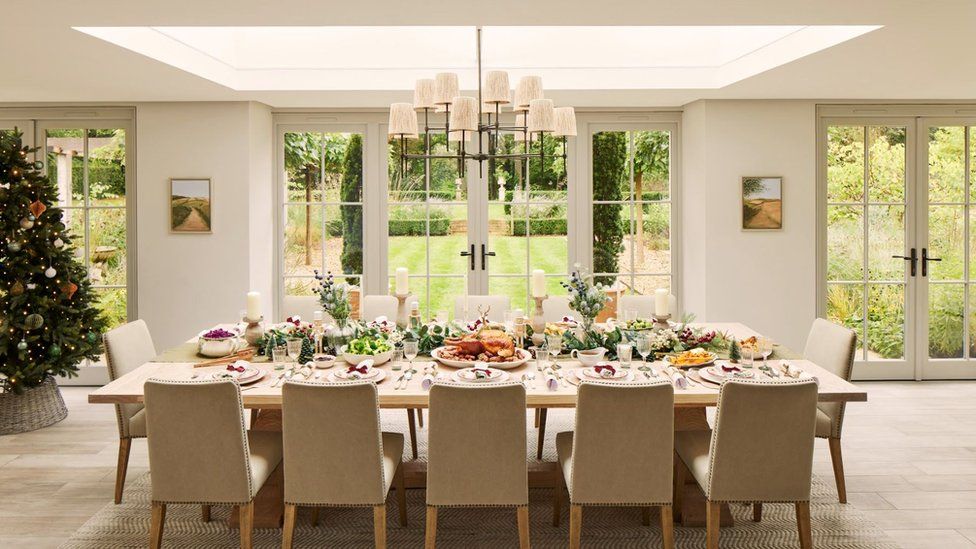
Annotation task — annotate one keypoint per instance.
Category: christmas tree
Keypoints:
(48, 323)
(735, 354)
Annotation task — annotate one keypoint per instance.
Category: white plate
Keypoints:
(524, 357)
(715, 374)
(249, 375)
(591, 373)
(467, 376)
(375, 375)
(343, 373)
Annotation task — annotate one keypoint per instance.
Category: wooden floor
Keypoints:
(910, 454)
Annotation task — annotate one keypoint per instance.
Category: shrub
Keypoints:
(609, 169)
(545, 226)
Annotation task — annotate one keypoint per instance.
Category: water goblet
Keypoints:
(279, 355)
(294, 346)
(765, 348)
(624, 354)
(644, 348)
(397, 359)
(541, 358)
(555, 344)
(410, 349)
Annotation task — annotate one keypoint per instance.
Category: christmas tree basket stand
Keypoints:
(35, 408)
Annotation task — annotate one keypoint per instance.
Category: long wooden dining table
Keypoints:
(690, 403)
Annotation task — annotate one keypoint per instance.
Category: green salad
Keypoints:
(640, 324)
(368, 345)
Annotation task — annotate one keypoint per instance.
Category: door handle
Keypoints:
(925, 261)
(469, 254)
(484, 254)
(913, 258)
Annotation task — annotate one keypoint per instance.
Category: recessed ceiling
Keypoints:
(334, 58)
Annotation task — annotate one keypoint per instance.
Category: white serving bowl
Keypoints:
(381, 358)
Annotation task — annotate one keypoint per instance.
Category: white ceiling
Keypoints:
(922, 51)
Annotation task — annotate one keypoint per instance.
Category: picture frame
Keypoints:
(190, 205)
(762, 203)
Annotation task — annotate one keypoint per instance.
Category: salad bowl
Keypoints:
(366, 347)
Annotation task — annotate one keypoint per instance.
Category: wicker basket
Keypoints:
(36, 408)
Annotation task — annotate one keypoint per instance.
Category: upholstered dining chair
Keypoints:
(379, 305)
(554, 308)
(336, 428)
(832, 347)
(476, 452)
(495, 305)
(126, 348)
(761, 450)
(199, 452)
(643, 304)
(631, 427)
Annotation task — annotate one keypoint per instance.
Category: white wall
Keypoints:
(190, 281)
(764, 279)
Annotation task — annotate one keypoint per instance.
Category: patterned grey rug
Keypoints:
(835, 526)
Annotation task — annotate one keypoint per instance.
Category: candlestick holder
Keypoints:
(538, 321)
(402, 313)
(254, 330)
(661, 322)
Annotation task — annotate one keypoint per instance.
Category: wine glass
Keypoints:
(509, 321)
(410, 349)
(555, 344)
(644, 349)
(766, 348)
(294, 347)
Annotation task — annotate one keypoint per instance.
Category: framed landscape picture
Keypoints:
(189, 205)
(762, 203)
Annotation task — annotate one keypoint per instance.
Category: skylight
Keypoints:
(391, 58)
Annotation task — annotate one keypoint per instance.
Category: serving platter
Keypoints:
(524, 357)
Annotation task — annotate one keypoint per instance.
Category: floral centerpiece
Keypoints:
(334, 297)
(586, 299)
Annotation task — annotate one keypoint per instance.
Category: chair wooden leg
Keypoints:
(537, 418)
(254, 417)
(205, 513)
(838, 460)
(420, 417)
(288, 531)
(667, 527)
(401, 488)
(557, 496)
(542, 431)
(156, 528)
(412, 422)
(803, 524)
(713, 512)
(315, 516)
(523, 527)
(646, 516)
(757, 512)
(575, 525)
(430, 534)
(379, 526)
(125, 445)
(679, 488)
(247, 524)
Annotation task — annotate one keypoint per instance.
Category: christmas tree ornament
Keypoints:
(26, 223)
(54, 350)
(69, 288)
(33, 321)
(17, 288)
(37, 208)
(51, 272)
(38, 165)
(58, 243)
(31, 286)
(92, 337)
(15, 173)
(22, 346)
(13, 246)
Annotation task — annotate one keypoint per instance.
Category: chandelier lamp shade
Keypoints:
(479, 119)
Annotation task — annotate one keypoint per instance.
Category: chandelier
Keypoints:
(479, 118)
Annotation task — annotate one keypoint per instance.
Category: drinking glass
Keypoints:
(279, 354)
(630, 315)
(555, 344)
(509, 321)
(410, 349)
(766, 348)
(644, 348)
(397, 359)
(624, 354)
(541, 358)
(294, 347)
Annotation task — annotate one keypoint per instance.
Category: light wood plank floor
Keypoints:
(910, 454)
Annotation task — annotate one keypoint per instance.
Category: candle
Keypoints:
(402, 282)
(317, 316)
(253, 306)
(661, 305)
(538, 283)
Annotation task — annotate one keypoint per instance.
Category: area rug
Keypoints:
(835, 526)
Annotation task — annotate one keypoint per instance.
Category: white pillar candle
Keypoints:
(317, 316)
(402, 281)
(538, 283)
(661, 306)
(253, 305)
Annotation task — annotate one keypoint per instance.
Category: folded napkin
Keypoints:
(238, 366)
(794, 372)
(360, 370)
(481, 373)
(552, 382)
(605, 370)
(677, 377)
(427, 381)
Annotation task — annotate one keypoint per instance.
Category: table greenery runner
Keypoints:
(48, 323)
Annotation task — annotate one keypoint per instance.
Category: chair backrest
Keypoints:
(643, 304)
(832, 347)
(126, 348)
(379, 305)
(476, 445)
(623, 447)
(555, 308)
(198, 451)
(762, 445)
(499, 305)
(333, 450)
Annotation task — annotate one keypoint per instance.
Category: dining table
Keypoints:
(179, 363)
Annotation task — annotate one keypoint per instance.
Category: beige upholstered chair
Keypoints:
(832, 347)
(126, 348)
(495, 305)
(555, 308)
(761, 450)
(199, 452)
(643, 304)
(631, 426)
(379, 305)
(336, 428)
(476, 452)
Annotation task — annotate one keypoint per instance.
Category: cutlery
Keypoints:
(406, 381)
(531, 376)
(398, 382)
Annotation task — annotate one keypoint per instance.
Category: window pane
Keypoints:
(645, 285)
(303, 163)
(611, 222)
(106, 167)
(74, 222)
(611, 177)
(886, 321)
(946, 241)
(65, 165)
(445, 180)
(946, 302)
(549, 252)
(406, 185)
(408, 236)
(946, 164)
(886, 237)
(112, 303)
(845, 304)
(449, 237)
(443, 290)
(845, 163)
(972, 163)
(108, 249)
(507, 224)
(515, 287)
(845, 243)
(887, 164)
(652, 165)
(300, 286)
(343, 166)
(344, 242)
(303, 240)
(652, 238)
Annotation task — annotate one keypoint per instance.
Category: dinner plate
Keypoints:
(524, 357)
(249, 375)
(715, 374)
(667, 359)
(467, 376)
(375, 375)
(591, 373)
(579, 377)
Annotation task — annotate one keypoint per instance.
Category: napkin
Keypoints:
(794, 372)
(605, 370)
(238, 366)
(677, 377)
(481, 373)
(428, 381)
(360, 370)
(552, 382)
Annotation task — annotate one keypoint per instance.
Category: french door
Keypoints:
(895, 210)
